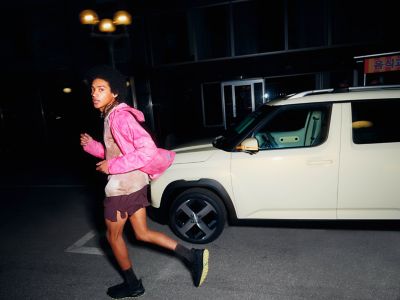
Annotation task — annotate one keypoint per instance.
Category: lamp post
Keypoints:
(107, 28)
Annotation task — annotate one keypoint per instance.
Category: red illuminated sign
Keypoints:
(382, 64)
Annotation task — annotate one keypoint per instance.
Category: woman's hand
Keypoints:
(102, 167)
(85, 139)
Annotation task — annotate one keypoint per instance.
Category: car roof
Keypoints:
(341, 95)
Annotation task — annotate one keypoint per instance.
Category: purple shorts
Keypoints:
(126, 204)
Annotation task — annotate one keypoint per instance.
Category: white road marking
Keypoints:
(78, 246)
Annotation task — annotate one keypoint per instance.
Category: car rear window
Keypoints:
(376, 121)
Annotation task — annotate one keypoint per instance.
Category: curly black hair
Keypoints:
(115, 79)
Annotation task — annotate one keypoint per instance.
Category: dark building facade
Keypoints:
(209, 63)
(194, 67)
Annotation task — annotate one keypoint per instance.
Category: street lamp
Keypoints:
(107, 27)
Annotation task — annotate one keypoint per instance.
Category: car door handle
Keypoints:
(320, 162)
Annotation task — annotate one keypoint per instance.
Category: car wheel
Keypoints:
(197, 216)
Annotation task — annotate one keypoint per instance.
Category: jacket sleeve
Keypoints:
(136, 145)
(95, 148)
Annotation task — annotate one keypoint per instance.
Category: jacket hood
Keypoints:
(136, 113)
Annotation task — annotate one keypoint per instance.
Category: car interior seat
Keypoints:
(313, 128)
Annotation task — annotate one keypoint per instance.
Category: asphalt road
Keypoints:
(53, 247)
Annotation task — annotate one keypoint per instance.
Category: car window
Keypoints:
(230, 139)
(295, 126)
(247, 121)
(376, 121)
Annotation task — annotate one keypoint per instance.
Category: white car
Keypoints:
(320, 155)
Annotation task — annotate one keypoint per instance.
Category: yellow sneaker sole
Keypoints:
(206, 256)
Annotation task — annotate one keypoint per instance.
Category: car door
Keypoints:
(370, 161)
(295, 174)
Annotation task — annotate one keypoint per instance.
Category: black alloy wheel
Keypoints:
(197, 216)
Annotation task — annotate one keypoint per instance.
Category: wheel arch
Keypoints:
(175, 188)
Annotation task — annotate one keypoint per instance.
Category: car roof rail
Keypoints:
(374, 87)
(344, 90)
(312, 92)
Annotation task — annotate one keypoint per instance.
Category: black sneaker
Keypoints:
(125, 291)
(112, 290)
(199, 266)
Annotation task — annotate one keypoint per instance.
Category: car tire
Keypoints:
(197, 216)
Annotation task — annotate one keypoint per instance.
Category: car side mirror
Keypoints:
(249, 145)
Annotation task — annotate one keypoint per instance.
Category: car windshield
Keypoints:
(236, 133)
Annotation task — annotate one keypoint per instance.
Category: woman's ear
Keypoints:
(115, 95)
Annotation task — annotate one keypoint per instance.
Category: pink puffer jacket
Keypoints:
(137, 147)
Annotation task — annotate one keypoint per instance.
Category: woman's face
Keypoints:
(101, 94)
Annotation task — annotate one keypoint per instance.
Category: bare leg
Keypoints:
(143, 233)
(116, 240)
(198, 258)
(131, 287)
